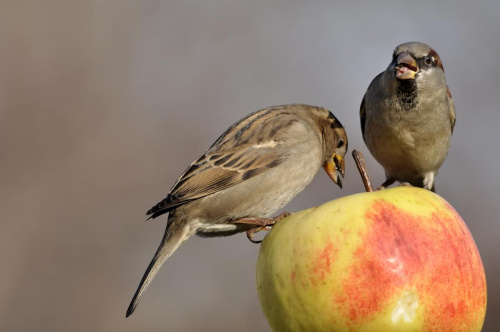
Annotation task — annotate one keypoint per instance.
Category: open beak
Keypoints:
(335, 168)
(405, 67)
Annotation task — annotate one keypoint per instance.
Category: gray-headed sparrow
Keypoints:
(407, 116)
(254, 169)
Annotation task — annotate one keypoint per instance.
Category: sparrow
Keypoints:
(407, 116)
(253, 170)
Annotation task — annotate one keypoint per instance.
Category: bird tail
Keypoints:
(175, 235)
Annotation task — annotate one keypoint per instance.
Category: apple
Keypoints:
(399, 259)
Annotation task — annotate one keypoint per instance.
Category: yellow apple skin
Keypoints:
(399, 259)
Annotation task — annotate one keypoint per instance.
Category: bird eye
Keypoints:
(429, 60)
(340, 144)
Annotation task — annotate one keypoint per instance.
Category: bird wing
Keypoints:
(248, 148)
(453, 118)
(362, 108)
(362, 117)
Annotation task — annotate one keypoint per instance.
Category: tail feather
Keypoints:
(175, 235)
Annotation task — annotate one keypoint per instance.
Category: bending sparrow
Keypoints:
(407, 116)
(254, 169)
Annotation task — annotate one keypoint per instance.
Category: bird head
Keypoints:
(336, 148)
(413, 58)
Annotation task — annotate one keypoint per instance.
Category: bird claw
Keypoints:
(260, 224)
(251, 232)
(386, 184)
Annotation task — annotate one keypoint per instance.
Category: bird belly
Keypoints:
(408, 150)
(258, 197)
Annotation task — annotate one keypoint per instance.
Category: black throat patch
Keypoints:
(407, 94)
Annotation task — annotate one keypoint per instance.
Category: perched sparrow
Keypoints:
(407, 116)
(254, 169)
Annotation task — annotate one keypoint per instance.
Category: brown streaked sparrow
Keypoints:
(407, 116)
(253, 170)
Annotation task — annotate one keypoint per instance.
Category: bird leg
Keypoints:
(386, 184)
(260, 224)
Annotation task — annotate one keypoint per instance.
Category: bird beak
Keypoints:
(335, 168)
(405, 67)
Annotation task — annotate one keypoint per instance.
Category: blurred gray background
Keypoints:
(103, 104)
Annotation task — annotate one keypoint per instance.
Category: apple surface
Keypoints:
(399, 259)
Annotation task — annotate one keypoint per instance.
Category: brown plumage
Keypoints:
(407, 116)
(254, 169)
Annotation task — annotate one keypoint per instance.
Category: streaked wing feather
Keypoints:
(221, 172)
(246, 149)
(213, 173)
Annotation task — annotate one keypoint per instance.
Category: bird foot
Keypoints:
(260, 224)
(386, 184)
(251, 233)
(405, 184)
